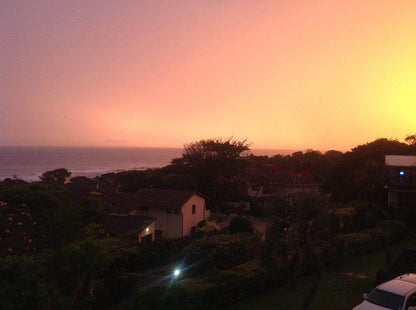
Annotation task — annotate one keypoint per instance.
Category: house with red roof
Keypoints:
(276, 182)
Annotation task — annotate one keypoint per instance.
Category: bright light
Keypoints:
(176, 272)
(401, 172)
(147, 229)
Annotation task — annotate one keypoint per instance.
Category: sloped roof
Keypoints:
(122, 224)
(124, 203)
(164, 198)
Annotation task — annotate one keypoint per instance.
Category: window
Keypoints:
(411, 302)
(385, 299)
(193, 209)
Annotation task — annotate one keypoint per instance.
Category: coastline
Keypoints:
(29, 163)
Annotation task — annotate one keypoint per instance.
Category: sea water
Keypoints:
(29, 163)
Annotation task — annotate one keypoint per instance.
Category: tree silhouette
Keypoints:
(208, 160)
(57, 176)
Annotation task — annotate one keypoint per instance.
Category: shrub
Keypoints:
(256, 210)
(371, 239)
(49, 279)
(219, 252)
(207, 228)
(153, 254)
(212, 292)
(240, 225)
(346, 218)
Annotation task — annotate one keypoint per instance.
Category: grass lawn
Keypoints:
(285, 297)
(347, 290)
(340, 288)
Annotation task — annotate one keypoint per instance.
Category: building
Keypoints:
(401, 181)
(177, 212)
(279, 183)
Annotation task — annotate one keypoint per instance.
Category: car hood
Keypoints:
(365, 305)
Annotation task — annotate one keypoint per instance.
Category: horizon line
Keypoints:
(291, 150)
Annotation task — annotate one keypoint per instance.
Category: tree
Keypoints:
(213, 152)
(300, 227)
(207, 160)
(362, 172)
(411, 140)
(57, 176)
(17, 230)
(51, 207)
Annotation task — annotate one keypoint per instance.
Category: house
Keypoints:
(401, 181)
(141, 228)
(177, 212)
(279, 182)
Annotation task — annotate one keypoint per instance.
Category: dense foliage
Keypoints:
(240, 225)
(212, 292)
(219, 252)
(54, 255)
(54, 279)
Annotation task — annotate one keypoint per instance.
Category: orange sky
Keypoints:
(282, 74)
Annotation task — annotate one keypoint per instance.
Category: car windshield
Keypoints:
(386, 299)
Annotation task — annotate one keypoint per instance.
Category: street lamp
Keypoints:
(176, 272)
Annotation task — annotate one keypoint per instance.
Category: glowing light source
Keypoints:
(147, 229)
(176, 272)
(401, 173)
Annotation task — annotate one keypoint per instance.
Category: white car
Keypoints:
(398, 294)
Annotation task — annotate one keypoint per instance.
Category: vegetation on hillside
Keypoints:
(54, 253)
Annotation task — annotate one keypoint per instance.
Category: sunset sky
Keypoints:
(283, 74)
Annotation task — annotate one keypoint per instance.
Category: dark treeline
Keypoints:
(209, 167)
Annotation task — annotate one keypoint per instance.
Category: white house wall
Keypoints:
(191, 220)
(400, 160)
(169, 223)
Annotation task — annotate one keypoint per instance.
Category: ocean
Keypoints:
(28, 163)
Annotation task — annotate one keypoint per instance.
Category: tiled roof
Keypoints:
(125, 203)
(164, 198)
(122, 203)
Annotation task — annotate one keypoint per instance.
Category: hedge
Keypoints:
(211, 292)
(366, 241)
(219, 252)
(232, 285)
